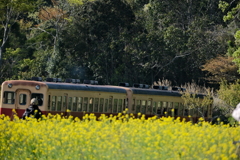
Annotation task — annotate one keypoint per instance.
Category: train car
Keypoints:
(164, 102)
(71, 97)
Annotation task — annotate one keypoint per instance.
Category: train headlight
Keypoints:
(10, 85)
(37, 87)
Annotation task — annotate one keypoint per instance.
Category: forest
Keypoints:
(134, 41)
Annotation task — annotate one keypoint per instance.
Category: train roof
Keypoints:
(118, 89)
(67, 86)
(156, 92)
(85, 87)
(160, 92)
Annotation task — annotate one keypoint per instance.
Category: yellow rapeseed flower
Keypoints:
(157, 138)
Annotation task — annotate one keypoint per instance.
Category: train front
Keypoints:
(16, 95)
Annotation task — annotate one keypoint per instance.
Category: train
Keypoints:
(77, 99)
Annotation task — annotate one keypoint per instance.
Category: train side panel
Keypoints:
(80, 99)
(155, 104)
(164, 103)
(80, 102)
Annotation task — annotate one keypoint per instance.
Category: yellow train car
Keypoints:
(58, 97)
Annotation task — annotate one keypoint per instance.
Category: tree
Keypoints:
(46, 37)
(10, 13)
(180, 31)
(229, 92)
(232, 10)
(99, 32)
(221, 68)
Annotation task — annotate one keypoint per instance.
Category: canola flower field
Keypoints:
(121, 137)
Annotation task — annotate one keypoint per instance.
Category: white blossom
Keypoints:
(236, 113)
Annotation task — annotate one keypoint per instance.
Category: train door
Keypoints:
(22, 101)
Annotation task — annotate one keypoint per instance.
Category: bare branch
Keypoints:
(43, 31)
(171, 61)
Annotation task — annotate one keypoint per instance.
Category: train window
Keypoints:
(180, 109)
(210, 110)
(191, 112)
(115, 105)
(201, 112)
(64, 103)
(101, 105)
(206, 111)
(169, 108)
(149, 107)
(186, 112)
(159, 108)
(59, 103)
(22, 99)
(143, 107)
(70, 103)
(154, 108)
(39, 97)
(90, 107)
(120, 106)
(106, 105)
(125, 103)
(110, 104)
(164, 107)
(85, 103)
(49, 102)
(74, 104)
(133, 105)
(53, 103)
(79, 108)
(138, 105)
(195, 112)
(8, 97)
(96, 104)
(176, 106)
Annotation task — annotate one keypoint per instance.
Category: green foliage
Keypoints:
(10, 60)
(11, 53)
(230, 92)
(232, 13)
(79, 2)
(36, 66)
(236, 53)
(223, 5)
(18, 6)
(232, 18)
